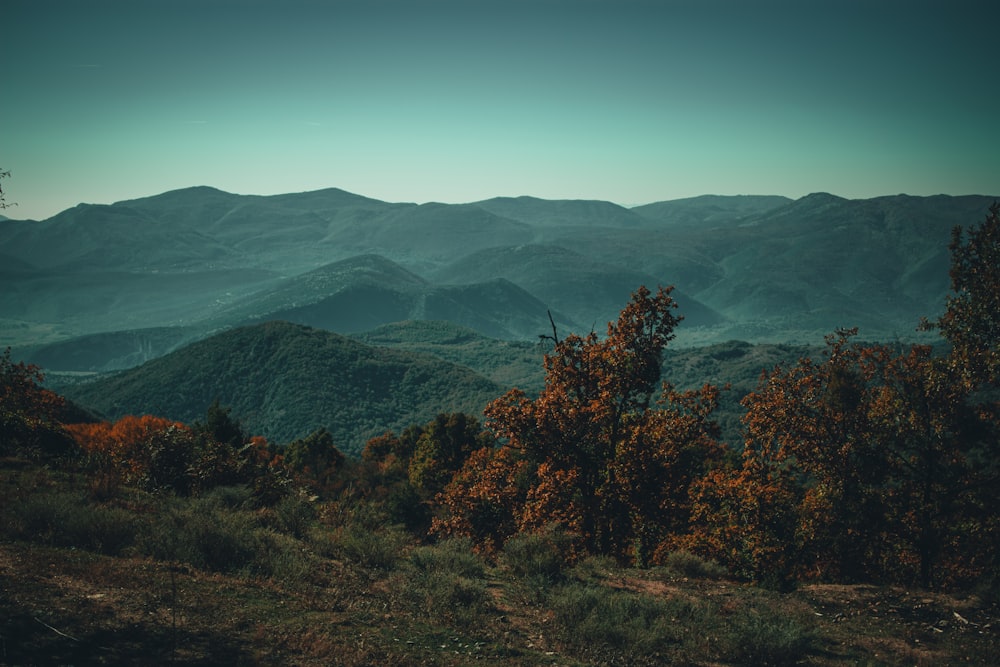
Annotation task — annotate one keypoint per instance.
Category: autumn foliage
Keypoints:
(28, 412)
(596, 452)
(877, 463)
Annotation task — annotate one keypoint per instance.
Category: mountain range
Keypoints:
(178, 292)
(176, 267)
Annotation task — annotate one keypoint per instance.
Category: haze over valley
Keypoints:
(107, 288)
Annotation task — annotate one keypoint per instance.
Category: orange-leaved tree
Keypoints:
(28, 411)
(942, 497)
(870, 465)
(153, 452)
(594, 451)
(971, 322)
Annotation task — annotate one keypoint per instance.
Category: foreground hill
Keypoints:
(284, 380)
(158, 579)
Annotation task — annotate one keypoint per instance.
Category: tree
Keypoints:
(3, 203)
(943, 488)
(591, 451)
(28, 412)
(314, 458)
(971, 322)
(871, 464)
(152, 452)
(224, 455)
(442, 447)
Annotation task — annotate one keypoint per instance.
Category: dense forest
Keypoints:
(869, 462)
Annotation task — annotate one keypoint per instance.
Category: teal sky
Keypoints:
(627, 101)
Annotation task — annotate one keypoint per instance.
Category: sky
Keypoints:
(627, 101)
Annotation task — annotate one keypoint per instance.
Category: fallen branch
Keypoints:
(61, 634)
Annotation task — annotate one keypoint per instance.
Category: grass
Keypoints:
(140, 578)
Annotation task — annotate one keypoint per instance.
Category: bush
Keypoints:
(206, 538)
(686, 564)
(224, 540)
(759, 637)
(447, 582)
(281, 557)
(234, 497)
(594, 567)
(444, 595)
(68, 520)
(294, 515)
(375, 549)
(454, 556)
(539, 556)
(600, 619)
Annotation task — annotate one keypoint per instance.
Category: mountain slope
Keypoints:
(284, 380)
(572, 284)
(709, 209)
(368, 291)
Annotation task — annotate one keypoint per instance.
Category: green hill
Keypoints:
(284, 380)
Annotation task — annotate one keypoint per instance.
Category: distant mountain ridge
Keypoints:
(200, 260)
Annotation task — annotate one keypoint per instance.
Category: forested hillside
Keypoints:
(284, 381)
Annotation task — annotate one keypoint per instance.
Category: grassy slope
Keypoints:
(349, 591)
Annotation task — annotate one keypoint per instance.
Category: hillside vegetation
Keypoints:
(284, 381)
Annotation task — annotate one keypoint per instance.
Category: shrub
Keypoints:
(281, 557)
(446, 581)
(202, 535)
(593, 567)
(295, 515)
(68, 520)
(686, 564)
(447, 596)
(598, 618)
(454, 556)
(232, 497)
(760, 637)
(376, 549)
(541, 556)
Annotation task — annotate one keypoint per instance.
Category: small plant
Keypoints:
(375, 549)
(600, 619)
(454, 556)
(761, 637)
(686, 564)
(542, 556)
(447, 581)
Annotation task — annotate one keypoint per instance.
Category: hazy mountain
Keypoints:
(368, 291)
(758, 268)
(709, 209)
(108, 351)
(507, 363)
(563, 213)
(284, 380)
(571, 283)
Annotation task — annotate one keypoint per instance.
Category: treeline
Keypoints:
(872, 463)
